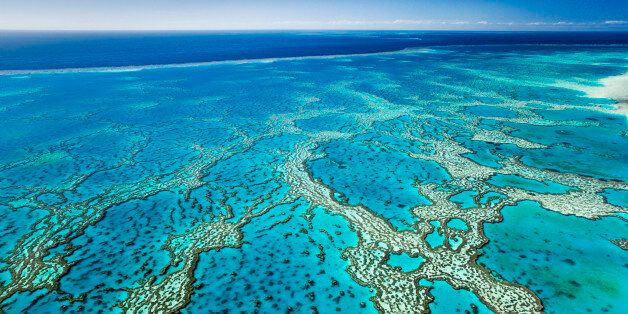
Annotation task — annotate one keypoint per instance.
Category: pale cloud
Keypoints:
(615, 22)
(453, 23)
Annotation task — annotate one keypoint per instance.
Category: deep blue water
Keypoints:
(21, 50)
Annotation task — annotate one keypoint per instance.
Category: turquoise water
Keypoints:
(436, 238)
(465, 199)
(568, 261)
(616, 197)
(406, 262)
(355, 183)
(457, 224)
(450, 300)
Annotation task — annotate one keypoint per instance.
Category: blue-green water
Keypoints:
(450, 300)
(568, 261)
(356, 183)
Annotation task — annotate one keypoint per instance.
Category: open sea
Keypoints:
(307, 172)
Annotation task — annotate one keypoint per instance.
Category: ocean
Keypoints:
(356, 172)
(30, 50)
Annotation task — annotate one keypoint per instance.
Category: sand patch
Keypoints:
(613, 87)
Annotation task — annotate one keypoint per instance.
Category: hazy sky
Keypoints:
(316, 14)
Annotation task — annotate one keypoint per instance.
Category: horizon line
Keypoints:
(556, 30)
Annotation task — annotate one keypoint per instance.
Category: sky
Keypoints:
(313, 14)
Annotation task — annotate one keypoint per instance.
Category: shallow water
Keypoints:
(357, 183)
(568, 261)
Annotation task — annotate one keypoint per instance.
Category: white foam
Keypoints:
(197, 64)
(421, 50)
